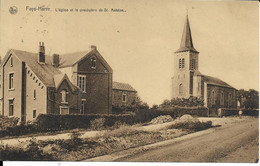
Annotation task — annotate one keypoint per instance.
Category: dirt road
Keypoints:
(236, 142)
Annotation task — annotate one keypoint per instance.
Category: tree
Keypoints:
(248, 99)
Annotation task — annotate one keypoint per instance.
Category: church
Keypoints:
(188, 81)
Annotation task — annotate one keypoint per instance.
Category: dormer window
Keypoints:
(93, 63)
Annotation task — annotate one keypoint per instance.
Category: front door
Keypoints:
(82, 110)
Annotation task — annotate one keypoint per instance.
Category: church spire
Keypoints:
(186, 41)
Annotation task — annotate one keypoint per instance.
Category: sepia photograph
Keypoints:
(129, 81)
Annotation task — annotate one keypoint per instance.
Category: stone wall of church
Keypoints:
(221, 97)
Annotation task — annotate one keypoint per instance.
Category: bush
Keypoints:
(97, 124)
(183, 102)
(6, 122)
(29, 153)
(192, 125)
(20, 130)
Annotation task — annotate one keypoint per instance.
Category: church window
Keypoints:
(213, 98)
(180, 89)
(179, 63)
(198, 86)
(178, 76)
(229, 99)
(182, 63)
(222, 98)
(193, 64)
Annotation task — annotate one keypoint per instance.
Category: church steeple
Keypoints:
(186, 41)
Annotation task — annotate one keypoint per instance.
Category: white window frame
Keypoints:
(10, 86)
(66, 99)
(124, 97)
(85, 82)
(65, 107)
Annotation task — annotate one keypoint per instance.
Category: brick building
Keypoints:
(34, 83)
(123, 94)
(188, 81)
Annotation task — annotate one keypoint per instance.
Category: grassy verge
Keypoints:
(114, 140)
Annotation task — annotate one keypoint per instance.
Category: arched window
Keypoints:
(213, 98)
(229, 99)
(222, 98)
(183, 63)
(193, 64)
(180, 89)
(64, 96)
(179, 63)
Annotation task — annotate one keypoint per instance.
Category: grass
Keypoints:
(119, 137)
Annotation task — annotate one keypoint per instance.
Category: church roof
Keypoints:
(123, 86)
(216, 81)
(186, 41)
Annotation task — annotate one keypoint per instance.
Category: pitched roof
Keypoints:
(67, 60)
(186, 41)
(44, 72)
(123, 86)
(216, 81)
(70, 59)
(59, 78)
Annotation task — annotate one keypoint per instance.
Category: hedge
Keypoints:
(55, 122)
(234, 112)
(50, 122)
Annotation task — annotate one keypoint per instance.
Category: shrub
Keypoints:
(29, 153)
(6, 122)
(183, 102)
(192, 125)
(97, 124)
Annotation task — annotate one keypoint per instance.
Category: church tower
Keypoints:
(185, 66)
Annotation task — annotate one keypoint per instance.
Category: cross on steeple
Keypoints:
(186, 41)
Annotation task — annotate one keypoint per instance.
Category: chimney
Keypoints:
(41, 58)
(93, 47)
(55, 60)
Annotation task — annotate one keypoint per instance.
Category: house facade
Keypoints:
(123, 94)
(188, 81)
(35, 83)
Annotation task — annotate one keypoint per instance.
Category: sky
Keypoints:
(139, 42)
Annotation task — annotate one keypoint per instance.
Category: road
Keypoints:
(236, 142)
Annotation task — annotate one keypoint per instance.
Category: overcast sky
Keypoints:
(139, 43)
